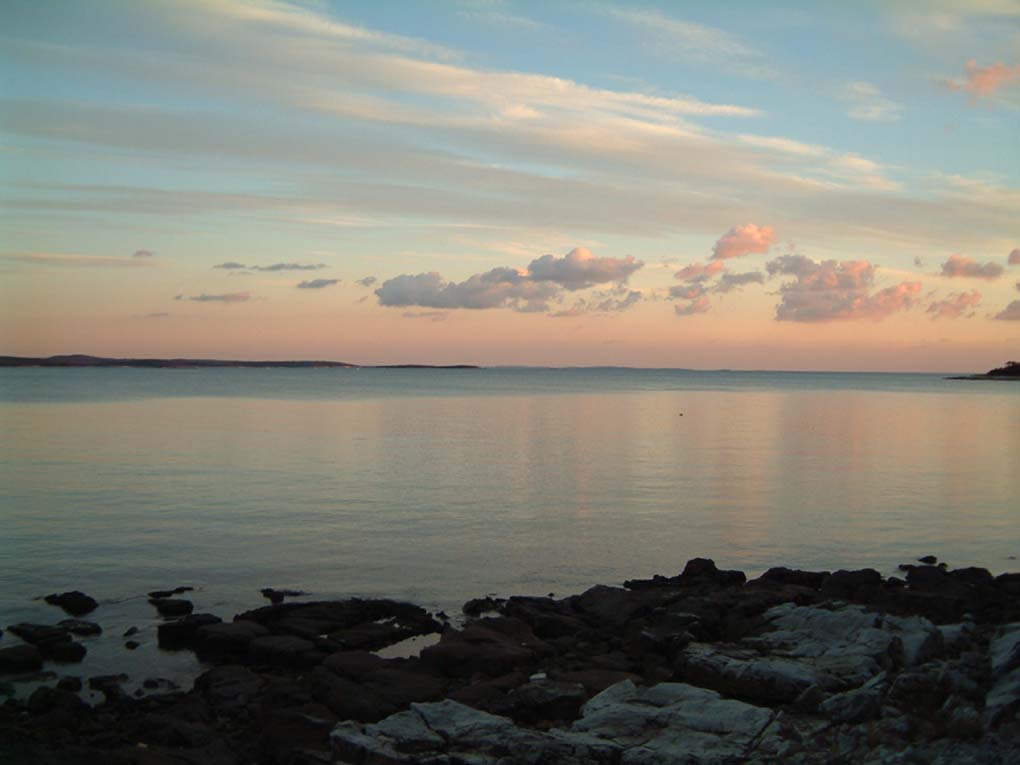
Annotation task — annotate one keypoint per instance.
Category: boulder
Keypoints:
(75, 603)
(181, 633)
(67, 652)
(41, 635)
(861, 585)
(20, 658)
(224, 639)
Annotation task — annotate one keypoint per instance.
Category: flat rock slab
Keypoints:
(667, 723)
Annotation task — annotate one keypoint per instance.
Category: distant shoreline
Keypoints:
(83, 361)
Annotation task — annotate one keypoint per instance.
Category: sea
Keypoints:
(436, 485)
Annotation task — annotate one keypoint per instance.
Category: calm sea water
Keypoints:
(437, 486)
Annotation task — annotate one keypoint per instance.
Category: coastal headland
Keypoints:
(701, 667)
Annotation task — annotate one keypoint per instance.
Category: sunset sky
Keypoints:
(747, 185)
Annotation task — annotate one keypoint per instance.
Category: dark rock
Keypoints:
(163, 594)
(132, 645)
(227, 638)
(786, 576)
(59, 708)
(20, 658)
(181, 632)
(80, 627)
(170, 607)
(546, 699)
(597, 680)
(69, 683)
(371, 636)
(310, 620)
(284, 651)
(487, 646)
(277, 596)
(67, 652)
(1009, 583)
(861, 585)
(547, 618)
(75, 603)
(108, 685)
(230, 689)
(130, 631)
(347, 699)
(40, 634)
(401, 685)
(699, 574)
(354, 664)
(479, 606)
(930, 560)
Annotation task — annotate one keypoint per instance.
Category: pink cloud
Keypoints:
(1010, 312)
(955, 305)
(961, 265)
(744, 240)
(832, 290)
(1014, 257)
(984, 81)
(696, 272)
(699, 305)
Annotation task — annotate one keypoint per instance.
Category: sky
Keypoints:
(742, 185)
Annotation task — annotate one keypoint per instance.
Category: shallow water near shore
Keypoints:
(440, 485)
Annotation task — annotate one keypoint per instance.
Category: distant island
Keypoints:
(1011, 371)
(81, 360)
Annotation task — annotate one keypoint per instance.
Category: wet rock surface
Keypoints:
(701, 667)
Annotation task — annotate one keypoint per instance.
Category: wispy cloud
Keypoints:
(868, 104)
(143, 254)
(675, 38)
(226, 297)
(235, 266)
(368, 281)
(76, 261)
(1013, 258)
(317, 284)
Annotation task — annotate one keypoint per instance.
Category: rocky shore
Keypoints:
(702, 667)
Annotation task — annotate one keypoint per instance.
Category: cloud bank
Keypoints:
(961, 265)
(831, 290)
(955, 305)
(527, 290)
